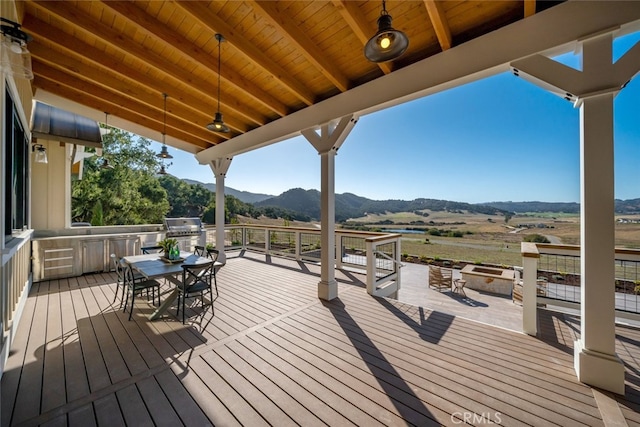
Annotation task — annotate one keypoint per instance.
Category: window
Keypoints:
(16, 171)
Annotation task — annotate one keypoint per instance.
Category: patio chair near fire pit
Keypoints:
(440, 278)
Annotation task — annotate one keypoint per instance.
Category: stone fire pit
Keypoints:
(488, 279)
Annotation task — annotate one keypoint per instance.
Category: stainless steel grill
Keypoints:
(183, 227)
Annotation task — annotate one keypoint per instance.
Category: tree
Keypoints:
(187, 200)
(507, 217)
(129, 193)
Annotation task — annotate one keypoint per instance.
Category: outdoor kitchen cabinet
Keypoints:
(122, 246)
(93, 256)
(56, 258)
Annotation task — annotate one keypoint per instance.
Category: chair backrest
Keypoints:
(118, 266)
(440, 276)
(146, 250)
(198, 250)
(193, 274)
(447, 274)
(213, 254)
(435, 275)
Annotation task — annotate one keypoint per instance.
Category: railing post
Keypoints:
(267, 241)
(339, 250)
(530, 256)
(244, 237)
(398, 264)
(371, 267)
(298, 251)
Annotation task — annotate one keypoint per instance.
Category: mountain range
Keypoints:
(243, 196)
(348, 205)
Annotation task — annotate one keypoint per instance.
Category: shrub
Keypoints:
(434, 232)
(535, 238)
(423, 258)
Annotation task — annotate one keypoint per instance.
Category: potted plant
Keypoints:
(167, 245)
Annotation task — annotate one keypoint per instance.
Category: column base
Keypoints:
(327, 290)
(599, 370)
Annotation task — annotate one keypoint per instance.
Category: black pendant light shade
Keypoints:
(162, 171)
(388, 43)
(164, 153)
(217, 125)
(105, 164)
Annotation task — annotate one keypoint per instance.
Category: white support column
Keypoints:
(220, 167)
(327, 143)
(328, 287)
(594, 89)
(596, 362)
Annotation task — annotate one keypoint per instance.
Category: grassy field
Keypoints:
(491, 239)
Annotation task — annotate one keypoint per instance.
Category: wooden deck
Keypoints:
(271, 353)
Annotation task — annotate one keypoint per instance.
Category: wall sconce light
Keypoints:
(40, 155)
(15, 58)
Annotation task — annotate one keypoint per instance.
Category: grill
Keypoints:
(183, 227)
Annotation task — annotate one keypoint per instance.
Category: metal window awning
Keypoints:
(55, 124)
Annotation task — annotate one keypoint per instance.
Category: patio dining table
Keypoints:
(154, 266)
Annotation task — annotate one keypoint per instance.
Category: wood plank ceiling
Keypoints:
(279, 57)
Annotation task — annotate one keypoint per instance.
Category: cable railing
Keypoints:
(376, 254)
(556, 272)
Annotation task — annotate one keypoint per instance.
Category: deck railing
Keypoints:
(376, 254)
(551, 275)
(16, 278)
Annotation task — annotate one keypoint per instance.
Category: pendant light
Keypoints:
(217, 125)
(105, 164)
(388, 43)
(164, 153)
(162, 171)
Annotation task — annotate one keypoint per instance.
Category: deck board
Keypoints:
(270, 353)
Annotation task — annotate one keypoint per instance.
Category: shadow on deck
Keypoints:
(273, 354)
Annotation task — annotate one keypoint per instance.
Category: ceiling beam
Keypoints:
(97, 114)
(361, 28)
(529, 8)
(90, 101)
(125, 45)
(284, 25)
(127, 109)
(201, 12)
(106, 87)
(439, 22)
(556, 30)
(160, 31)
(62, 46)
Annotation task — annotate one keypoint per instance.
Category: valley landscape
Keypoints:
(488, 233)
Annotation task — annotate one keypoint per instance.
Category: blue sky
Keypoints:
(496, 139)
